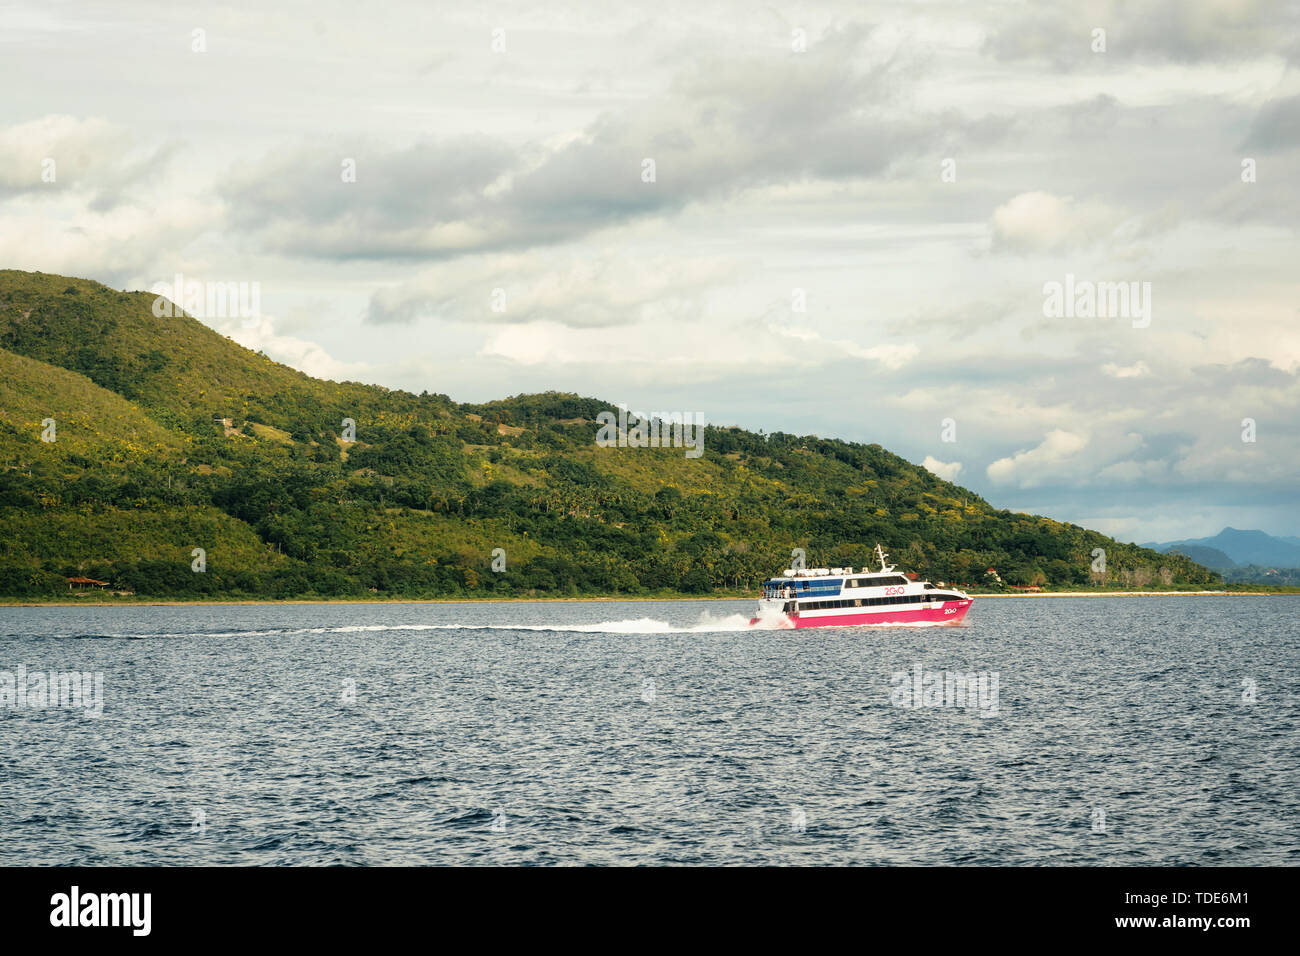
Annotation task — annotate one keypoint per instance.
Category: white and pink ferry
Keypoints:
(842, 597)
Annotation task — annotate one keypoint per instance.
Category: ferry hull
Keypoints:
(951, 612)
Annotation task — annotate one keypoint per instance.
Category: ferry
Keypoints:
(843, 597)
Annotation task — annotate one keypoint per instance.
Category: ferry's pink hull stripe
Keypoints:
(950, 612)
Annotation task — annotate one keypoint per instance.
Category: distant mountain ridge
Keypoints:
(1238, 547)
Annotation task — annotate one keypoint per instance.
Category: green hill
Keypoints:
(143, 471)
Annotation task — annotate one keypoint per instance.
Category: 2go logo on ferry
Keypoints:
(889, 592)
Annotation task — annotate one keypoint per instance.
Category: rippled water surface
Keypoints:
(1125, 733)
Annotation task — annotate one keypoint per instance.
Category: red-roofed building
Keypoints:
(81, 583)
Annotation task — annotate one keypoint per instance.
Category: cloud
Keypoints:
(1276, 126)
(302, 354)
(1146, 30)
(425, 199)
(562, 289)
(118, 246)
(948, 471)
(892, 357)
(724, 125)
(58, 153)
(1126, 371)
(1029, 468)
(1038, 221)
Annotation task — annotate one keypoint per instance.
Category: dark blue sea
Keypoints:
(1045, 731)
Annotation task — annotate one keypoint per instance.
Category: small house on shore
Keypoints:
(81, 583)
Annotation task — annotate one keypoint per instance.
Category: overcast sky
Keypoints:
(800, 155)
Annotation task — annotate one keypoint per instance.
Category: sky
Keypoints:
(855, 220)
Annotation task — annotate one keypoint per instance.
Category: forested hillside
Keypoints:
(142, 471)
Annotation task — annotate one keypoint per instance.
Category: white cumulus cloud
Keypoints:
(948, 471)
(1030, 467)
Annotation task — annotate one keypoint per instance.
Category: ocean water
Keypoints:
(1143, 730)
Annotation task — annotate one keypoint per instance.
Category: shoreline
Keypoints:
(589, 600)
